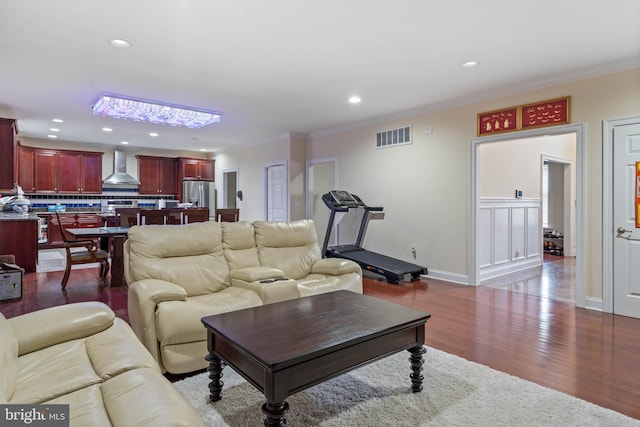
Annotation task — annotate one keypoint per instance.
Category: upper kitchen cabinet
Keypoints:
(66, 172)
(80, 172)
(26, 168)
(197, 169)
(8, 155)
(157, 175)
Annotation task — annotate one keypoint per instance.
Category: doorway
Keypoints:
(475, 229)
(322, 177)
(229, 188)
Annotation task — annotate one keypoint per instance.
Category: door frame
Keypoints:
(474, 205)
(309, 214)
(225, 183)
(607, 207)
(568, 220)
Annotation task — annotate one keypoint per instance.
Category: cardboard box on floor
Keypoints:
(10, 281)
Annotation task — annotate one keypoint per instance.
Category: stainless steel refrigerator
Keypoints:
(201, 193)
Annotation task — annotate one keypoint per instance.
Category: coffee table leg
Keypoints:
(417, 361)
(275, 413)
(215, 375)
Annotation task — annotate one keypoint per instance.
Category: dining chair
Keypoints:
(175, 216)
(153, 216)
(82, 252)
(227, 215)
(127, 217)
(192, 215)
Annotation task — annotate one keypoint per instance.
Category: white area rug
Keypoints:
(56, 260)
(456, 392)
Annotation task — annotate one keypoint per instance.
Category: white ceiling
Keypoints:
(280, 66)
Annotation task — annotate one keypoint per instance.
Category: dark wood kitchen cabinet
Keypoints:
(197, 169)
(26, 168)
(80, 172)
(8, 154)
(66, 171)
(158, 175)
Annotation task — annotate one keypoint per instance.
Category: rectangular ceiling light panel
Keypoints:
(141, 110)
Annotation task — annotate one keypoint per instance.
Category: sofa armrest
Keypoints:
(270, 290)
(335, 267)
(54, 325)
(255, 274)
(144, 296)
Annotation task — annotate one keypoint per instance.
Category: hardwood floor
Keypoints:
(584, 353)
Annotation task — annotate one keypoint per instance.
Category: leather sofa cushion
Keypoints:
(190, 256)
(110, 403)
(8, 361)
(179, 321)
(63, 368)
(239, 245)
(290, 246)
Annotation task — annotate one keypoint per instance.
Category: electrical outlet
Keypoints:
(414, 254)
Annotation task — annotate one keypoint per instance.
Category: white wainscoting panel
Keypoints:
(510, 236)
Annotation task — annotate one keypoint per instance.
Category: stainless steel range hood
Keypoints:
(120, 175)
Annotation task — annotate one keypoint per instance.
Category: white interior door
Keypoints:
(626, 244)
(276, 192)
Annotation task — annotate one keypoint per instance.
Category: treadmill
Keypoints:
(392, 269)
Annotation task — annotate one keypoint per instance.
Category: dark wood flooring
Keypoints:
(584, 353)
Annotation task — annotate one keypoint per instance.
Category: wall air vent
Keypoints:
(393, 137)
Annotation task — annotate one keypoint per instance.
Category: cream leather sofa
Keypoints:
(178, 274)
(82, 355)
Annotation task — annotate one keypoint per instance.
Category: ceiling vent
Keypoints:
(393, 137)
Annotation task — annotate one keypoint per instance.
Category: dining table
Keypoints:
(108, 236)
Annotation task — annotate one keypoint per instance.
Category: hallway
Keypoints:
(555, 279)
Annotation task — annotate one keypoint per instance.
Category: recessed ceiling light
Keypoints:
(124, 142)
(52, 136)
(54, 129)
(470, 64)
(153, 134)
(120, 43)
(57, 120)
(355, 100)
(203, 149)
(107, 129)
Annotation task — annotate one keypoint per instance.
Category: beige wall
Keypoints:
(250, 164)
(506, 165)
(425, 186)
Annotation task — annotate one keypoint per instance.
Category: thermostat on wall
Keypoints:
(518, 194)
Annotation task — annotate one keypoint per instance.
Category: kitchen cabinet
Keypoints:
(158, 175)
(20, 238)
(26, 169)
(80, 172)
(69, 220)
(66, 171)
(197, 169)
(8, 148)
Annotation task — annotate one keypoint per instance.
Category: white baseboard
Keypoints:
(511, 267)
(447, 276)
(592, 303)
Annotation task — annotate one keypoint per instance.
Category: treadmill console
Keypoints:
(344, 198)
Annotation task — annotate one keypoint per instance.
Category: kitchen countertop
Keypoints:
(14, 216)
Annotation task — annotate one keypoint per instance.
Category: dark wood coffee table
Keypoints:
(286, 347)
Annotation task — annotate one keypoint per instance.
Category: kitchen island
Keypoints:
(19, 236)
